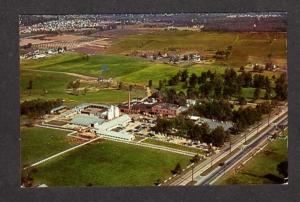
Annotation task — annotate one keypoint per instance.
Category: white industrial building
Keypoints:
(102, 111)
(106, 127)
(120, 121)
(92, 115)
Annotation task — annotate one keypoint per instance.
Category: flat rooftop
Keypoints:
(167, 106)
(86, 120)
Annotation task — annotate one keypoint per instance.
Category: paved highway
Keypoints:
(189, 176)
(236, 158)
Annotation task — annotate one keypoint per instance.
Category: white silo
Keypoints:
(110, 113)
(117, 111)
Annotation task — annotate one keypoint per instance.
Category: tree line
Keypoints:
(215, 85)
(183, 127)
(39, 107)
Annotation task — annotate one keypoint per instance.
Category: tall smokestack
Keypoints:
(129, 93)
(129, 99)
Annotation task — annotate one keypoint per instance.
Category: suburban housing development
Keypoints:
(184, 99)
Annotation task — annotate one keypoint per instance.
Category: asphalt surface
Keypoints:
(205, 165)
(232, 161)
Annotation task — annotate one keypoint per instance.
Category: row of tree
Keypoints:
(39, 107)
(214, 85)
(244, 117)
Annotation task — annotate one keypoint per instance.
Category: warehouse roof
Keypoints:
(113, 134)
(115, 122)
(86, 120)
(57, 108)
(85, 105)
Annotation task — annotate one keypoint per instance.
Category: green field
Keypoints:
(108, 164)
(56, 84)
(173, 40)
(248, 93)
(246, 47)
(262, 168)
(121, 68)
(172, 145)
(40, 143)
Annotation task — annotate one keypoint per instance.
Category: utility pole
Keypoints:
(269, 118)
(192, 172)
(230, 143)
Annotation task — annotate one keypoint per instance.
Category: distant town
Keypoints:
(153, 99)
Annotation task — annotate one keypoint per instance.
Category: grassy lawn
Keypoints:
(45, 81)
(39, 143)
(172, 145)
(262, 168)
(248, 93)
(138, 138)
(109, 164)
(117, 66)
(126, 69)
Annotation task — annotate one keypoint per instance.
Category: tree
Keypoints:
(258, 81)
(242, 100)
(181, 98)
(120, 85)
(218, 86)
(177, 169)
(268, 88)
(26, 179)
(196, 159)
(256, 93)
(282, 168)
(205, 133)
(184, 75)
(281, 87)
(218, 136)
(29, 88)
(202, 78)
(193, 80)
(157, 182)
(206, 89)
(150, 83)
(192, 93)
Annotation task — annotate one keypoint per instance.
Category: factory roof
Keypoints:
(214, 123)
(86, 120)
(114, 122)
(84, 105)
(57, 108)
(113, 134)
(166, 106)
